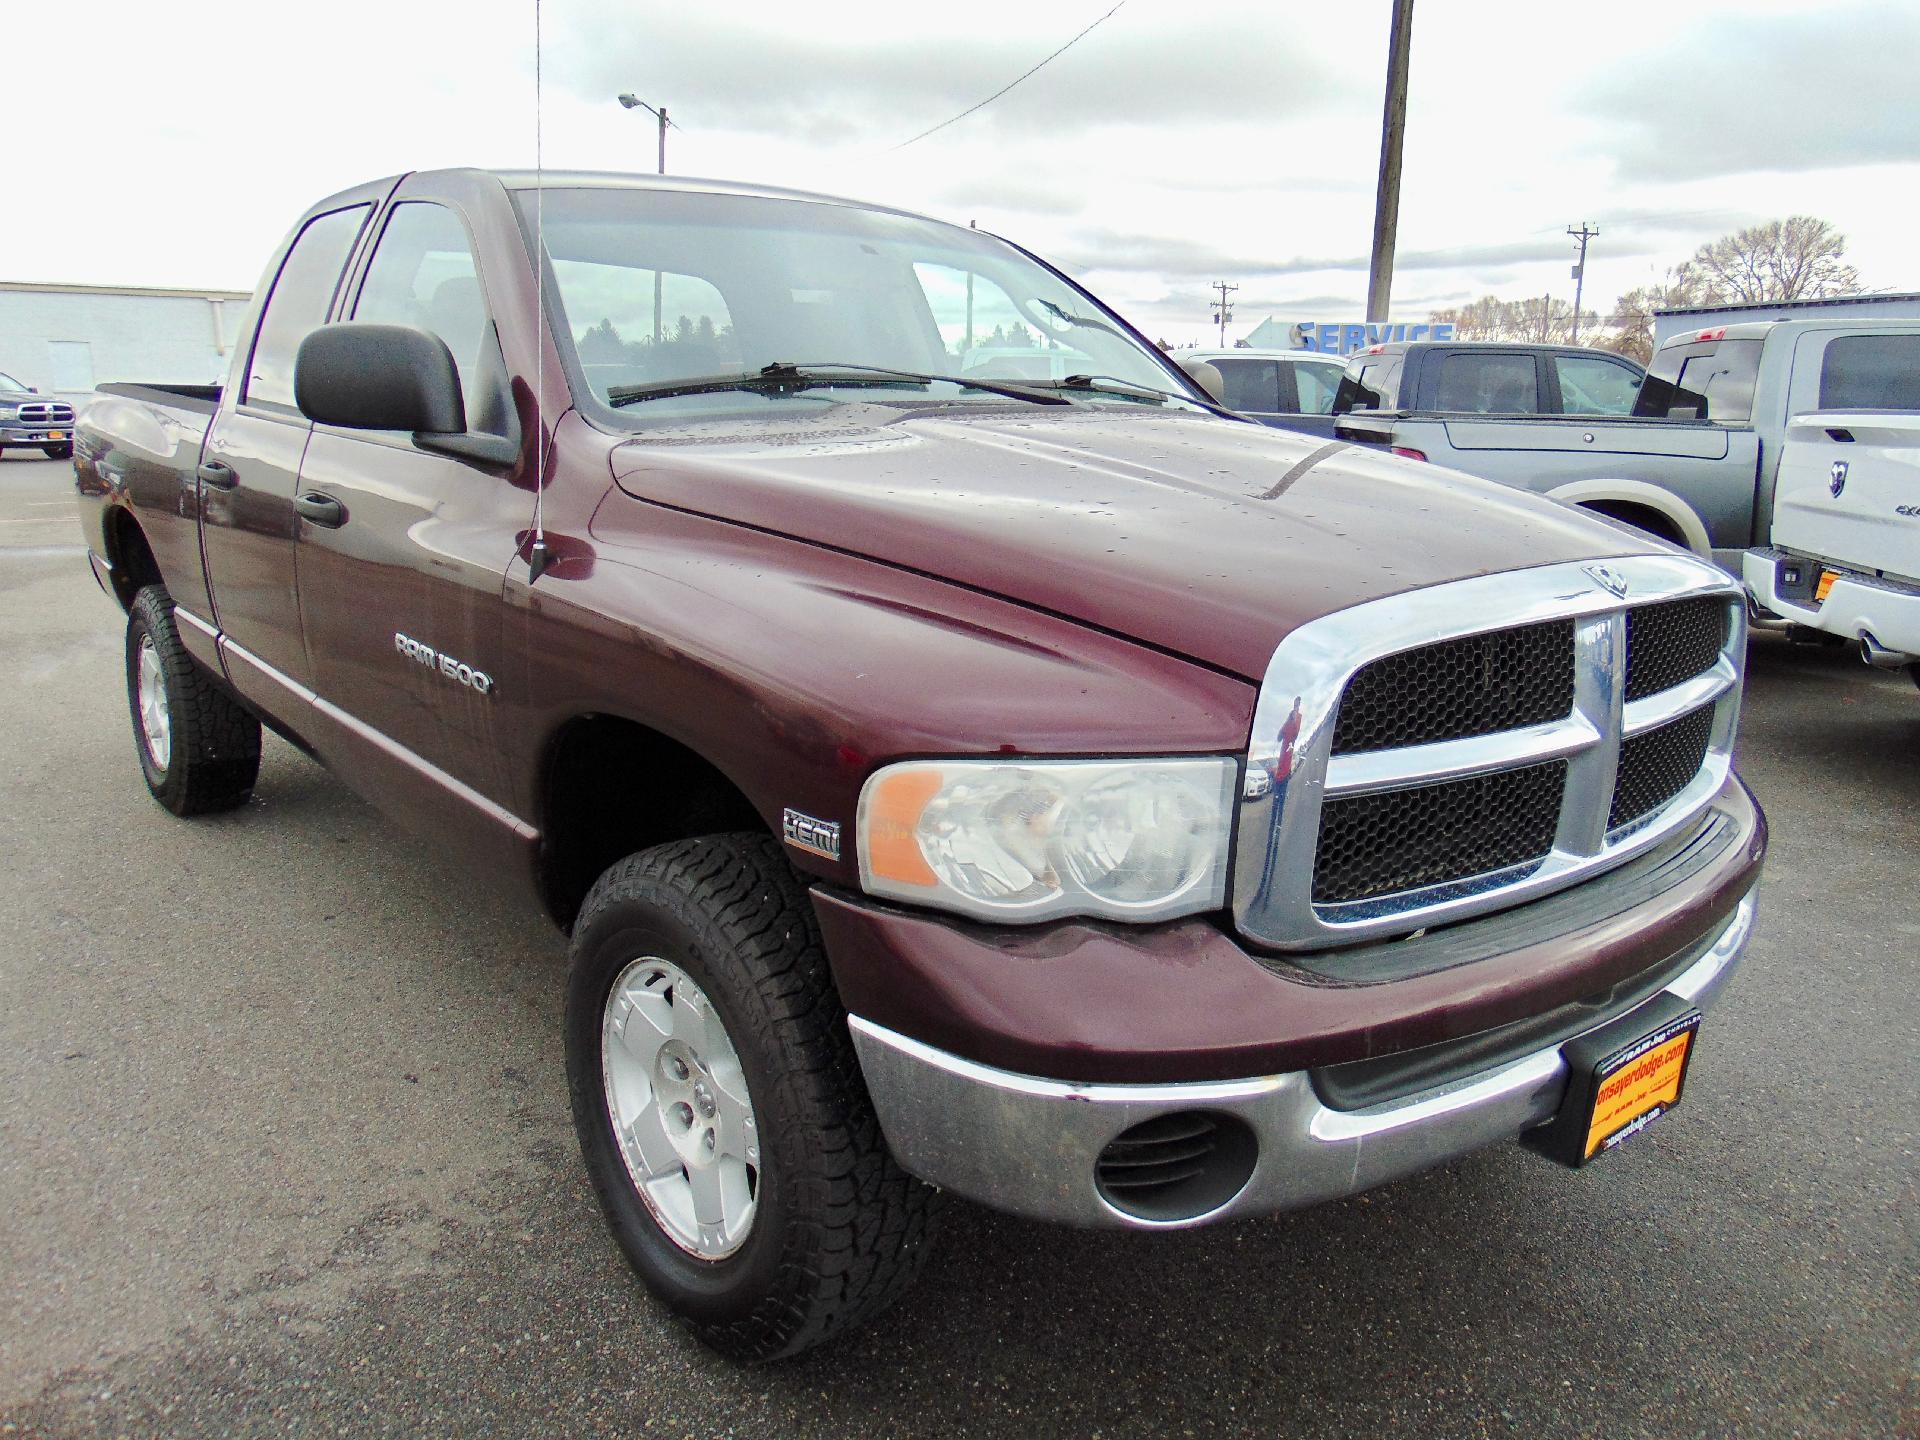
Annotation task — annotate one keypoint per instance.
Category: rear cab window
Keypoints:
(1707, 380)
(1371, 382)
(1871, 372)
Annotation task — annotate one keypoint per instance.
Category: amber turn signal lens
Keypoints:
(894, 806)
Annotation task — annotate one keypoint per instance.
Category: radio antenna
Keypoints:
(538, 557)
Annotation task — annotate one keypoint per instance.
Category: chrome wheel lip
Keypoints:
(150, 696)
(677, 1101)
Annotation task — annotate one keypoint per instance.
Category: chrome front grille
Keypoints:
(46, 412)
(1408, 770)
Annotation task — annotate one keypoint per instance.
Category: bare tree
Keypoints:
(1629, 329)
(1799, 258)
(1537, 319)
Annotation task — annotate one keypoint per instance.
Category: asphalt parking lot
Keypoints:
(284, 1149)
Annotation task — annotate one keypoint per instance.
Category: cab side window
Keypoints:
(1595, 387)
(1488, 384)
(423, 275)
(298, 303)
(1250, 385)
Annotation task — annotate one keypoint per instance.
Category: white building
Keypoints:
(70, 338)
(1667, 323)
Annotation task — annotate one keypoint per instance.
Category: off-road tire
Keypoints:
(215, 751)
(840, 1230)
(58, 452)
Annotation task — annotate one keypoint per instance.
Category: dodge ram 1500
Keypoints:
(1032, 783)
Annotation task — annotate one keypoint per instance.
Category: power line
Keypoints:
(1003, 89)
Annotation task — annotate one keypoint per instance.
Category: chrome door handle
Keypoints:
(320, 509)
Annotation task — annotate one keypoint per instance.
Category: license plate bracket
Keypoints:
(1621, 1078)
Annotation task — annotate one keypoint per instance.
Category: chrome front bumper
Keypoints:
(1029, 1146)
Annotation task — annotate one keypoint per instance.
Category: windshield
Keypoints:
(660, 286)
(7, 382)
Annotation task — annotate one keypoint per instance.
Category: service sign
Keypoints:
(1343, 337)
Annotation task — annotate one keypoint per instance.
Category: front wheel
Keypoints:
(720, 1109)
(199, 750)
(58, 452)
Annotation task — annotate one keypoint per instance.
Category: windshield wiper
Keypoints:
(1114, 385)
(783, 377)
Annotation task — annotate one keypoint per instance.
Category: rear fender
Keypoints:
(1684, 518)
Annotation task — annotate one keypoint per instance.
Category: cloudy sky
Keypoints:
(1175, 145)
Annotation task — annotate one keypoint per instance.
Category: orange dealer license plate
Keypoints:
(1621, 1078)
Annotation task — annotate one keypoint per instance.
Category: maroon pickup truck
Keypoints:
(1023, 780)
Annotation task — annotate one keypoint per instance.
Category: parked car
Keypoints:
(1289, 389)
(1843, 551)
(29, 418)
(1487, 378)
(1695, 462)
(1061, 794)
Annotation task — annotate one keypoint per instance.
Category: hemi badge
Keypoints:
(816, 837)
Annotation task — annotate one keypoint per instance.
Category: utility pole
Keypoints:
(1393, 131)
(1585, 233)
(1222, 310)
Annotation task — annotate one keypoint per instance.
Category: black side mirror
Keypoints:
(379, 377)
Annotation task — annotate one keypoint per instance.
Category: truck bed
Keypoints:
(193, 399)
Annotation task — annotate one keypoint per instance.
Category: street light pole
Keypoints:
(633, 102)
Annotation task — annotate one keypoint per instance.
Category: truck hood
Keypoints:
(1197, 535)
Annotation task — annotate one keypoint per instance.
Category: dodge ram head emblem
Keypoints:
(1837, 477)
(1612, 581)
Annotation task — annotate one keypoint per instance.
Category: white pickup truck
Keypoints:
(1697, 461)
(1844, 551)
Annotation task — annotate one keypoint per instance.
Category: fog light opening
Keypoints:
(1176, 1167)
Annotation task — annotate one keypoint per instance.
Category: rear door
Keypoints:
(251, 461)
(403, 551)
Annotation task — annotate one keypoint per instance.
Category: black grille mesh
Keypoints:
(1474, 685)
(1669, 643)
(1396, 840)
(1656, 765)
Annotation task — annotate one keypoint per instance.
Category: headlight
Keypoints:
(9, 412)
(1030, 840)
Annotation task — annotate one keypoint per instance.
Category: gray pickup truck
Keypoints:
(29, 418)
(1694, 463)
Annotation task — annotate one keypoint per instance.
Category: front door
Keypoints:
(403, 552)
